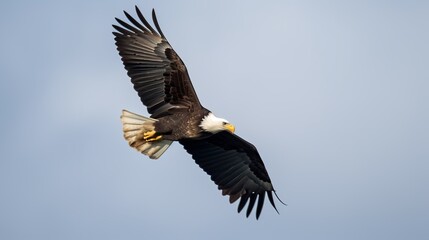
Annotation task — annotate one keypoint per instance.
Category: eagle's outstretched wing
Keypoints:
(235, 166)
(157, 72)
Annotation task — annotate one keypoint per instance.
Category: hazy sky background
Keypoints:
(333, 93)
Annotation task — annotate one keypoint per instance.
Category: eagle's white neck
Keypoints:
(213, 124)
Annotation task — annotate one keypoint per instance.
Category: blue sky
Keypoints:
(333, 93)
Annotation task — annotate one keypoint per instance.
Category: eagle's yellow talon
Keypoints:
(154, 138)
(148, 134)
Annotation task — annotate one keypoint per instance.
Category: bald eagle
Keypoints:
(161, 80)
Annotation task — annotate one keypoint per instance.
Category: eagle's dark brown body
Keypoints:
(182, 124)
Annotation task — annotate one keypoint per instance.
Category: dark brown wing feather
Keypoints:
(159, 75)
(235, 166)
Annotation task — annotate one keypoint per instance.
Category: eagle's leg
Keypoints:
(151, 136)
(159, 137)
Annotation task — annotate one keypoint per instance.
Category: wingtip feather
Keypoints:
(260, 205)
(155, 21)
(251, 204)
(243, 202)
(145, 22)
(279, 198)
(270, 198)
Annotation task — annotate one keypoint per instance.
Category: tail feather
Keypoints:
(133, 125)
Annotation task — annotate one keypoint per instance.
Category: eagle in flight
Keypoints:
(162, 82)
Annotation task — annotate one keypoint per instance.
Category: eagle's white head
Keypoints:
(211, 123)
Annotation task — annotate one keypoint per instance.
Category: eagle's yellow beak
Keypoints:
(230, 127)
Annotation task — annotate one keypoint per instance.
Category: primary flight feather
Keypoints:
(162, 82)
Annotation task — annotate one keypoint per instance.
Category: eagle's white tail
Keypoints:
(133, 126)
